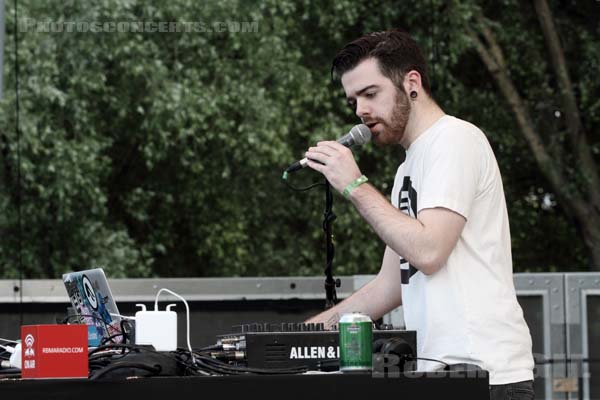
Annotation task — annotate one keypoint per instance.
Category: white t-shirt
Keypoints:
(467, 312)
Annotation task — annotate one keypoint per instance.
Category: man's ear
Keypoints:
(412, 81)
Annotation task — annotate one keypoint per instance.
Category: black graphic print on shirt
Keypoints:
(407, 203)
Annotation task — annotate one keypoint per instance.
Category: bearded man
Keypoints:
(448, 255)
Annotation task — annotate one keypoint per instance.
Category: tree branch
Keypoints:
(500, 74)
(572, 115)
(494, 49)
(560, 68)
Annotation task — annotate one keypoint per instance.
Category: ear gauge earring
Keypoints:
(413, 95)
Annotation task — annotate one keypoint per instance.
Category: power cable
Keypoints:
(19, 182)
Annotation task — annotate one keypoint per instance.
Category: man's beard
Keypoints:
(393, 131)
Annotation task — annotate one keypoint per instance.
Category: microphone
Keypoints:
(358, 135)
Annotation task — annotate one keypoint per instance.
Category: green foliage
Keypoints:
(161, 153)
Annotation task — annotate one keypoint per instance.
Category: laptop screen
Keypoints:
(93, 303)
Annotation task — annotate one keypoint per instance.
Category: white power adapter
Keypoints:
(156, 328)
(159, 328)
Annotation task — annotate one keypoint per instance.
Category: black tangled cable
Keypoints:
(109, 358)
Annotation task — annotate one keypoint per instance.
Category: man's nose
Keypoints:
(362, 109)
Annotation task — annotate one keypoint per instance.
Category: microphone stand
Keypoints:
(328, 218)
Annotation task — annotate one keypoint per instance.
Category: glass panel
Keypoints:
(593, 320)
(533, 311)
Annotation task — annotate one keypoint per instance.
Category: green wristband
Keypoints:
(353, 185)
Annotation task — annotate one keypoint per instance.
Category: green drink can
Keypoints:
(356, 342)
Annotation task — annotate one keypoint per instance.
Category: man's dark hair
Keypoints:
(395, 50)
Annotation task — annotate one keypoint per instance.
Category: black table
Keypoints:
(264, 387)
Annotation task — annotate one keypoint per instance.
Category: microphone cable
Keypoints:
(284, 178)
(297, 189)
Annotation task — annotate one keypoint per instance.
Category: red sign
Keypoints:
(54, 351)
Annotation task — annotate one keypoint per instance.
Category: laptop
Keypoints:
(93, 305)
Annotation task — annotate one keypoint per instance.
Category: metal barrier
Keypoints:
(582, 303)
(542, 299)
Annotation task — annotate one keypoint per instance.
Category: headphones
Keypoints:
(395, 346)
